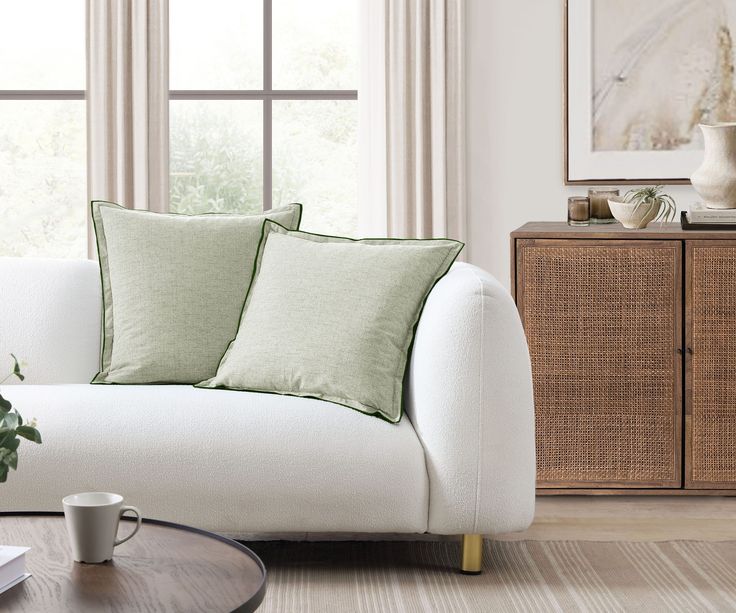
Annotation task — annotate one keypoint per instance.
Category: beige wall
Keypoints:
(514, 120)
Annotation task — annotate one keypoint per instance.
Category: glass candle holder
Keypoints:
(578, 211)
(600, 212)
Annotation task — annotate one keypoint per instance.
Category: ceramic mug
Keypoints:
(92, 522)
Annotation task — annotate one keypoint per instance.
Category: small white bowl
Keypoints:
(632, 217)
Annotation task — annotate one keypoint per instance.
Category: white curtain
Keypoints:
(128, 102)
(412, 126)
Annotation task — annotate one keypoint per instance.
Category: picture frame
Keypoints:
(592, 159)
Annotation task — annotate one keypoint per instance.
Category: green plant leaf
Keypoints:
(16, 368)
(5, 405)
(3, 473)
(11, 420)
(13, 443)
(29, 433)
(9, 458)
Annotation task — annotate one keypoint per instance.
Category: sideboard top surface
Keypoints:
(560, 229)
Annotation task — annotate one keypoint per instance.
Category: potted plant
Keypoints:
(641, 206)
(12, 427)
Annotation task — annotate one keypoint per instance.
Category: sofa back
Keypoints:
(50, 318)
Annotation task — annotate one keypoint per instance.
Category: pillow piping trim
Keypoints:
(100, 242)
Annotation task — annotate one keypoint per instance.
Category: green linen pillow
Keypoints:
(173, 288)
(333, 318)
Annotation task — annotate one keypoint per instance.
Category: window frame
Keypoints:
(267, 95)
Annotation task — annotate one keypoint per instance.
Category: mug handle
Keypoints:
(124, 509)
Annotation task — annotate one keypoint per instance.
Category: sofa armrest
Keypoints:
(469, 397)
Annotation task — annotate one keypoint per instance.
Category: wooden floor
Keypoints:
(590, 518)
(632, 518)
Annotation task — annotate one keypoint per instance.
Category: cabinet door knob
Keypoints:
(679, 350)
(690, 350)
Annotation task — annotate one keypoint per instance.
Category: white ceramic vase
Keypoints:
(715, 180)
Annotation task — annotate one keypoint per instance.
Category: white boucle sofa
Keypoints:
(461, 461)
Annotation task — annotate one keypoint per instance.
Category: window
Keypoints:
(42, 129)
(263, 108)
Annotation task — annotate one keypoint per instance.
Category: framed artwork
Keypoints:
(639, 78)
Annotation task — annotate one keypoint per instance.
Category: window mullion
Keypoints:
(42, 94)
(267, 105)
(274, 94)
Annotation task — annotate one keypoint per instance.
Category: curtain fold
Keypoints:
(128, 102)
(412, 119)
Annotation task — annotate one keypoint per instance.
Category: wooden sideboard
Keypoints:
(632, 337)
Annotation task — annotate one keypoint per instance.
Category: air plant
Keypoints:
(652, 196)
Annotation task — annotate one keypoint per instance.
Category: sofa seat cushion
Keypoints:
(232, 462)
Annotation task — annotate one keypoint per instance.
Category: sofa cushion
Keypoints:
(173, 289)
(232, 462)
(333, 318)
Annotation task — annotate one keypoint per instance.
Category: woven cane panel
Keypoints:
(600, 322)
(713, 364)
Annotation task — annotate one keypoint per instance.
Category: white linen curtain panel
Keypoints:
(128, 102)
(412, 122)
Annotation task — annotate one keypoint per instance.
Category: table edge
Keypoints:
(248, 607)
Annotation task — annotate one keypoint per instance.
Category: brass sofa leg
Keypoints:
(472, 554)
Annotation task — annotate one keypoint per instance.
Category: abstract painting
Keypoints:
(641, 76)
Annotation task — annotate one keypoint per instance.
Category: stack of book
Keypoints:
(12, 566)
(698, 217)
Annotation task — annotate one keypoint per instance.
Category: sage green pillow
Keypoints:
(173, 288)
(333, 318)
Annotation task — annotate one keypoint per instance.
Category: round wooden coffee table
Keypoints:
(165, 567)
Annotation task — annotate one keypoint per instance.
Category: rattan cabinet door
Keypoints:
(710, 400)
(603, 321)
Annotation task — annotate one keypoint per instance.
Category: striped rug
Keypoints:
(517, 576)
